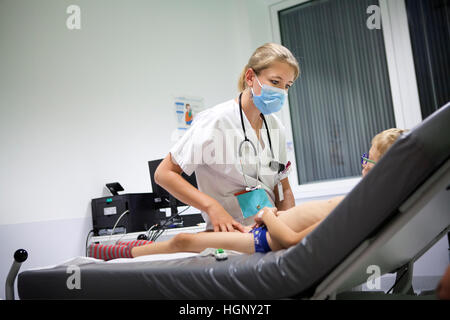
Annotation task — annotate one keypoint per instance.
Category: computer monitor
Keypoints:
(163, 193)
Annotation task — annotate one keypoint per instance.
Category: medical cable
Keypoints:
(112, 231)
(87, 240)
(157, 233)
(163, 228)
(154, 236)
(150, 229)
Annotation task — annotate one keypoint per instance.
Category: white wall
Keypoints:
(81, 108)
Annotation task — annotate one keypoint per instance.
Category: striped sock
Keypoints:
(134, 243)
(109, 252)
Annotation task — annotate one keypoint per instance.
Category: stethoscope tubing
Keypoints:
(246, 139)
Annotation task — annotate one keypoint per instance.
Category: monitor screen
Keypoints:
(160, 191)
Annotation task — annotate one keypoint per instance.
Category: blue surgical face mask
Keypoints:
(270, 100)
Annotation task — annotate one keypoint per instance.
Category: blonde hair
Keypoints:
(264, 56)
(385, 139)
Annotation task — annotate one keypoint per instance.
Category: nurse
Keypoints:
(237, 148)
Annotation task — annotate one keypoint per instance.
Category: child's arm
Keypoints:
(281, 232)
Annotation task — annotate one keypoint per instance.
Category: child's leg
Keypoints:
(189, 242)
(308, 213)
(134, 243)
(274, 245)
(122, 249)
(108, 252)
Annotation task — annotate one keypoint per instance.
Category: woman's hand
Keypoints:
(222, 221)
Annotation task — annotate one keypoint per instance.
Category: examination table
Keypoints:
(389, 219)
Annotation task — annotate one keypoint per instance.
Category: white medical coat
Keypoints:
(210, 148)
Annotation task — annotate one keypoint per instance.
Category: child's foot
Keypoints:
(109, 252)
(134, 243)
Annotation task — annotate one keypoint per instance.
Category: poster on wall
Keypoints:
(186, 108)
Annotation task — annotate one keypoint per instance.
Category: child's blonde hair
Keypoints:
(385, 139)
(264, 56)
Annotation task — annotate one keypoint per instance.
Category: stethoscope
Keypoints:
(273, 164)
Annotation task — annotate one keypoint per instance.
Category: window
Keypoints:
(355, 82)
(343, 96)
(429, 27)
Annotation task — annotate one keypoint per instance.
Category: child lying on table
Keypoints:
(273, 229)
